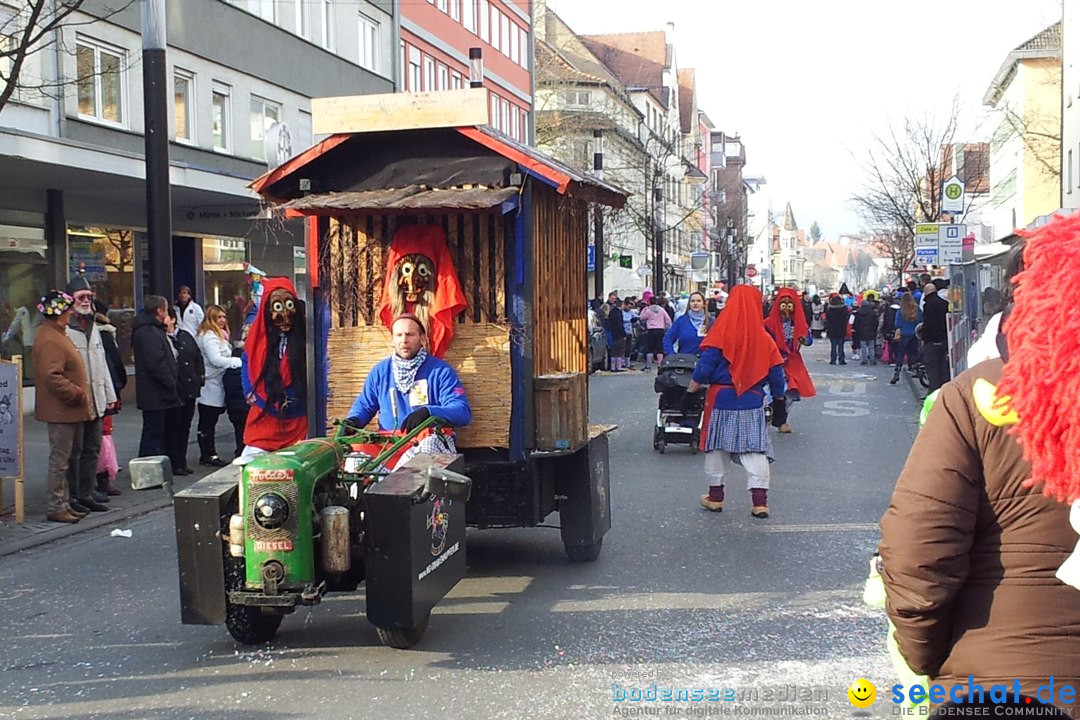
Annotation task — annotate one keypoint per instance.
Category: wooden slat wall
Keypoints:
(561, 236)
(352, 260)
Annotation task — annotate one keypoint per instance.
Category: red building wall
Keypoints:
(435, 39)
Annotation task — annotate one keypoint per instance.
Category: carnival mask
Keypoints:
(415, 275)
(786, 307)
(282, 309)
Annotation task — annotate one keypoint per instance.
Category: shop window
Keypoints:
(369, 43)
(24, 274)
(106, 257)
(224, 280)
(184, 105)
(99, 81)
(221, 109)
(263, 115)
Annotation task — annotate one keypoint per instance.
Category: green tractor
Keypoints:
(258, 540)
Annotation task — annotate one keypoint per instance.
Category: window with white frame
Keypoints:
(456, 80)
(264, 9)
(328, 25)
(485, 18)
(9, 31)
(468, 15)
(504, 116)
(504, 23)
(444, 77)
(515, 37)
(303, 18)
(494, 111)
(515, 123)
(429, 73)
(264, 113)
(455, 9)
(369, 43)
(414, 69)
(577, 98)
(442, 5)
(184, 105)
(220, 113)
(304, 135)
(524, 126)
(495, 35)
(100, 80)
(523, 61)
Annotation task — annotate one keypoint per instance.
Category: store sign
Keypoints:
(226, 212)
(10, 420)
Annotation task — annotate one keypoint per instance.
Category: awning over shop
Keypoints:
(413, 197)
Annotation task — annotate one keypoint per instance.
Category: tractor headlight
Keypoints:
(355, 462)
(271, 511)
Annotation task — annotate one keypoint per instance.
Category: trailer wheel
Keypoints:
(403, 638)
(584, 553)
(663, 444)
(247, 625)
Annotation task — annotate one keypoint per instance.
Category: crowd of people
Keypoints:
(184, 361)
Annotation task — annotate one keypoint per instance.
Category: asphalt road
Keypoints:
(679, 598)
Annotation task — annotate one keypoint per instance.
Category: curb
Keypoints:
(50, 531)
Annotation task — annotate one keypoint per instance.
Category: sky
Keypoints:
(807, 84)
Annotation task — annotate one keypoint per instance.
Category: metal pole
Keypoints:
(658, 242)
(156, 117)
(598, 217)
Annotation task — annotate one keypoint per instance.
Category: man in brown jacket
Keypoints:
(61, 398)
(970, 554)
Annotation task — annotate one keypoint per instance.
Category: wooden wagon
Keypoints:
(515, 223)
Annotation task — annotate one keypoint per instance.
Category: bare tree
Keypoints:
(903, 184)
(33, 26)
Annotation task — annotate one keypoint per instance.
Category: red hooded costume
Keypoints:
(739, 335)
(273, 427)
(798, 377)
(448, 298)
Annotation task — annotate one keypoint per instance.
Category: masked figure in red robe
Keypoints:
(790, 331)
(274, 371)
(421, 280)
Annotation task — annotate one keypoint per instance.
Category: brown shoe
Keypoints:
(712, 505)
(785, 428)
(78, 513)
(64, 516)
(761, 512)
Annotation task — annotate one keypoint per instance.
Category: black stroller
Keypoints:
(678, 418)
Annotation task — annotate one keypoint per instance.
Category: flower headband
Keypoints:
(54, 303)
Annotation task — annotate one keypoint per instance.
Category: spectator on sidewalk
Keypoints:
(108, 464)
(189, 315)
(85, 335)
(60, 399)
(656, 322)
(155, 373)
(190, 374)
(213, 341)
(617, 332)
(935, 337)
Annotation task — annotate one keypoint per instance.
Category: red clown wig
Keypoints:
(1042, 374)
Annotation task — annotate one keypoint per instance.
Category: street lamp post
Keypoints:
(156, 139)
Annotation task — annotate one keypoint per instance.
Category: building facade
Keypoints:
(436, 36)
(72, 192)
(1025, 152)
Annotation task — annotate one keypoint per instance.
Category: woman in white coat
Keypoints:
(217, 353)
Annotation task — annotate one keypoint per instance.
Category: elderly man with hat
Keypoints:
(61, 399)
(410, 386)
(85, 335)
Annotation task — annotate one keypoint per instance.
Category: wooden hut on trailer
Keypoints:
(515, 225)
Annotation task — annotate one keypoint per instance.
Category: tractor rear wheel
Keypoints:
(403, 638)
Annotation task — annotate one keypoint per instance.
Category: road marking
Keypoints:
(825, 527)
(847, 387)
(846, 408)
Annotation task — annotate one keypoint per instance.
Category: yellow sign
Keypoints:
(399, 111)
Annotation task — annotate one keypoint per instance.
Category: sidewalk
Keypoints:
(127, 429)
